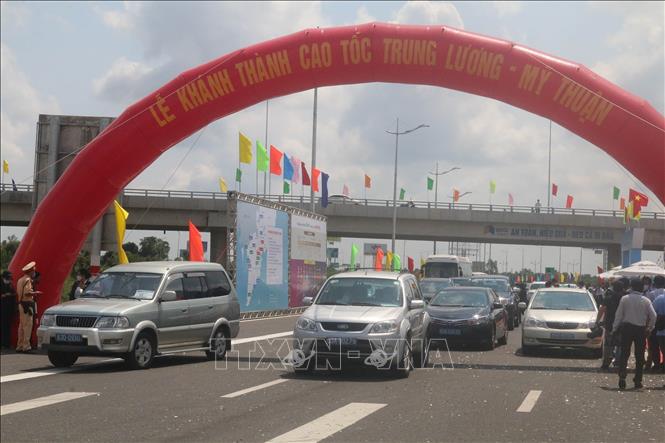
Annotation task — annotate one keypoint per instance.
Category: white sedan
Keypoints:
(560, 317)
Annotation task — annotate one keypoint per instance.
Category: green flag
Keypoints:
(287, 188)
(354, 257)
(492, 186)
(238, 175)
(616, 193)
(402, 192)
(430, 184)
(397, 263)
(262, 159)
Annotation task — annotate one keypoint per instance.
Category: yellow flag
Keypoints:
(5, 166)
(422, 262)
(120, 220)
(245, 147)
(222, 186)
(389, 260)
(562, 278)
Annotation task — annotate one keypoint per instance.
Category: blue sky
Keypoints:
(96, 58)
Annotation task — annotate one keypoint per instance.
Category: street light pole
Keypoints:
(436, 187)
(397, 134)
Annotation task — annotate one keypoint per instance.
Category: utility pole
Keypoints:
(436, 187)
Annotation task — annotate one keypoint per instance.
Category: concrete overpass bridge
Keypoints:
(171, 210)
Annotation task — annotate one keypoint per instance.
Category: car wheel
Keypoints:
(219, 344)
(421, 358)
(527, 350)
(62, 359)
(401, 368)
(143, 354)
(491, 339)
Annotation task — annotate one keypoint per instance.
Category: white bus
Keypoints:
(447, 266)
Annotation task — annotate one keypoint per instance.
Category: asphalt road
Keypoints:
(465, 395)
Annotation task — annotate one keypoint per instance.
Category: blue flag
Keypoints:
(324, 189)
(288, 169)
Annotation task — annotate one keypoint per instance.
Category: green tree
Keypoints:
(154, 249)
(7, 250)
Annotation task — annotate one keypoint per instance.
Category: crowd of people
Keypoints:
(22, 301)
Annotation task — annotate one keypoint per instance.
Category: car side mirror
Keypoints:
(497, 306)
(416, 304)
(168, 296)
(306, 301)
(522, 306)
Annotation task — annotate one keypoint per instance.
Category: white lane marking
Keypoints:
(269, 318)
(329, 424)
(53, 371)
(255, 388)
(240, 341)
(529, 401)
(42, 401)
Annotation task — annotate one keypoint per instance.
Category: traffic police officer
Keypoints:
(26, 299)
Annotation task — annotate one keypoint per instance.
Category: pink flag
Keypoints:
(296, 170)
(345, 190)
(510, 200)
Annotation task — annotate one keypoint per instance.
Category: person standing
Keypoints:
(7, 308)
(26, 298)
(538, 206)
(635, 318)
(656, 352)
(607, 311)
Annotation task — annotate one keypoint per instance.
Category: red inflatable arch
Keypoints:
(623, 125)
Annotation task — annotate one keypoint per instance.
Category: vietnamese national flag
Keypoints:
(378, 261)
(305, 175)
(569, 202)
(195, 243)
(315, 179)
(555, 189)
(368, 181)
(639, 200)
(410, 264)
(511, 201)
(455, 195)
(275, 161)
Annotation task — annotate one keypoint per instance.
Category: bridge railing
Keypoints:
(305, 200)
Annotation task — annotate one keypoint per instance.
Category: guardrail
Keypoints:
(305, 200)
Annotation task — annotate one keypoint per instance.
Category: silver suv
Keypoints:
(139, 310)
(370, 317)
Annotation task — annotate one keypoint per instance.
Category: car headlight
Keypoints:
(47, 320)
(534, 322)
(112, 323)
(384, 327)
(504, 301)
(478, 320)
(306, 324)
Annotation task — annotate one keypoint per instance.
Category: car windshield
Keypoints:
(461, 281)
(134, 285)
(441, 270)
(455, 298)
(563, 300)
(361, 292)
(499, 285)
(432, 286)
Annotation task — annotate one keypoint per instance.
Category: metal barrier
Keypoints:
(402, 204)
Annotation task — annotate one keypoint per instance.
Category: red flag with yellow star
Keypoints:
(639, 200)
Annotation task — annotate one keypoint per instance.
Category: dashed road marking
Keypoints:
(529, 401)
(42, 401)
(255, 388)
(329, 424)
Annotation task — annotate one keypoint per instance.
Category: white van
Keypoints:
(447, 266)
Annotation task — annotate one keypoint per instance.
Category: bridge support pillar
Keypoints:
(219, 246)
(613, 256)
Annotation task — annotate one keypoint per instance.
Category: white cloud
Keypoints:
(20, 105)
(14, 13)
(507, 8)
(123, 80)
(432, 13)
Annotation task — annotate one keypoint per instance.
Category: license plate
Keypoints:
(337, 341)
(69, 338)
(562, 335)
(444, 331)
